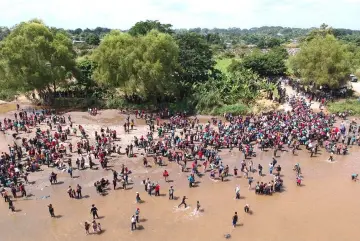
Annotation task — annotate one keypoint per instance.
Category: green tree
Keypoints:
(4, 32)
(92, 39)
(322, 31)
(268, 64)
(78, 31)
(322, 61)
(35, 58)
(195, 59)
(242, 85)
(268, 42)
(85, 70)
(141, 66)
(144, 27)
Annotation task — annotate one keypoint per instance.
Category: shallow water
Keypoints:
(323, 208)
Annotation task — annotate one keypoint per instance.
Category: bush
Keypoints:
(235, 109)
(352, 105)
(78, 103)
(7, 95)
(115, 103)
(122, 103)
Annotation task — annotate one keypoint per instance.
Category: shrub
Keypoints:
(235, 109)
(352, 105)
(7, 95)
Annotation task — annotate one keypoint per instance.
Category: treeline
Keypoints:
(152, 64)
(219, 35)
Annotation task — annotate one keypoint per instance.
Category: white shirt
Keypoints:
(133, 220)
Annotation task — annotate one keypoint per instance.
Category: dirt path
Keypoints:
(315, 105)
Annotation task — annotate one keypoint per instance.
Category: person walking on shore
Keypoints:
(51, 210)
(87, 227)
(93, 211)
(137, 214)
(171, 193)
(11, 205)
(133, 222)
(183, 202)
(237, 192)
(235, 219)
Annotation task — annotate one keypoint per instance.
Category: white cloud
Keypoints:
(182, 13)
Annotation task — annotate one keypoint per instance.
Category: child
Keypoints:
(298, 181)
(95, 227)
(354, 177)
(138, 199)
(99, 227)
(11, 206)
(137, 213)
(235, 172)
(87, 227)
(247, 208)
(250, 180)
(212, 174)
(331, 158)
(197, 206)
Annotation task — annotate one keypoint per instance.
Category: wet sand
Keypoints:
(324, 208)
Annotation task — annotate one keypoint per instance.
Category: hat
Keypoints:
(137, 192)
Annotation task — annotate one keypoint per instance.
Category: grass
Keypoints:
(223, 64)
(352, 105)
(235, 109)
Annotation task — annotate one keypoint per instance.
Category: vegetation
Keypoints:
(143, 67)
(195, 59)
(35, 58)
(352, 105)
(323, 60)
(268, 64)
(144, 27)
(223, 64)
(240, 86)
(92, 39)
(155, 66)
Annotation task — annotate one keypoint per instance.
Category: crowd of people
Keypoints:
(194, 146)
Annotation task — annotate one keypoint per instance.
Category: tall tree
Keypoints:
(78, 31)
(35, 58)
(322, 31)
(4, 32)
(141, 66)
(323, 61)
(144, 27)
(267, 64)
(84, 72)
(92, 39)
(195, 59)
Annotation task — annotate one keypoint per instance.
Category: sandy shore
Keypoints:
(324, 208)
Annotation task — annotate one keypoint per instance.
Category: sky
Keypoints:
(122, 14)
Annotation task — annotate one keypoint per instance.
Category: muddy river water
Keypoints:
(324, 208)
